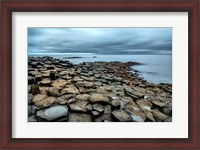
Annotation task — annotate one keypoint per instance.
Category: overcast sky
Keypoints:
(100, 40)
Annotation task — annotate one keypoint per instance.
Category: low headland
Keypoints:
(60, 91)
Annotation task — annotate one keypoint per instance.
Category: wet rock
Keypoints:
(159, 116)
(53, 112)
(46, 102)
(59, 83)
(32, 119)
(30, 80)
(99, 98)
(121, 115)
(45, 82)
(78, 117)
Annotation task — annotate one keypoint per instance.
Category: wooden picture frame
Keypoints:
(9, 6)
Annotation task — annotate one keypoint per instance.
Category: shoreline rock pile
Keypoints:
(59, 91)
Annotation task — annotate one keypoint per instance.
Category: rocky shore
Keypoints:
(59, 91)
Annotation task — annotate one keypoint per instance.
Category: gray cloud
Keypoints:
(100, 40)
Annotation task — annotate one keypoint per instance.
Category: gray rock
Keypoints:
(46, 102)
(116, 103)
(54, 91)
(159, 116)
(98, 107)
(53, 112)
(32, 119)
(99, 98)
(30, 80)
(83, 97)
(121, 115)
(79, 117)
(30, 97)
(80, 106)
(45, 82)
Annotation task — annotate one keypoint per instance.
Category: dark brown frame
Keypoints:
(9, 6)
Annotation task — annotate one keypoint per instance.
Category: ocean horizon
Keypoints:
(154, 68)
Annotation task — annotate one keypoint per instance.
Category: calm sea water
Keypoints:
(155, 68)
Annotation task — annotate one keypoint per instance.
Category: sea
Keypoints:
(154, 68)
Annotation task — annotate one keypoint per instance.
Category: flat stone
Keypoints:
(98, 107)
(53, 112)
(38, 97)
(149, 115)
(54, 91)
(107, 109)
(138, 116)
(59, 83)
(99, 98)
(70, 90)
(88, 84)
(79, 105)
(77, 79)
(144, 104)
(121, 115)
(78, 117)
(116, 103)
(45, 82)
(158, 103)
(46, 102)
(159, 116)
(84, 97)
(44, 90)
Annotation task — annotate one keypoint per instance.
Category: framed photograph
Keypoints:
(100, 74)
